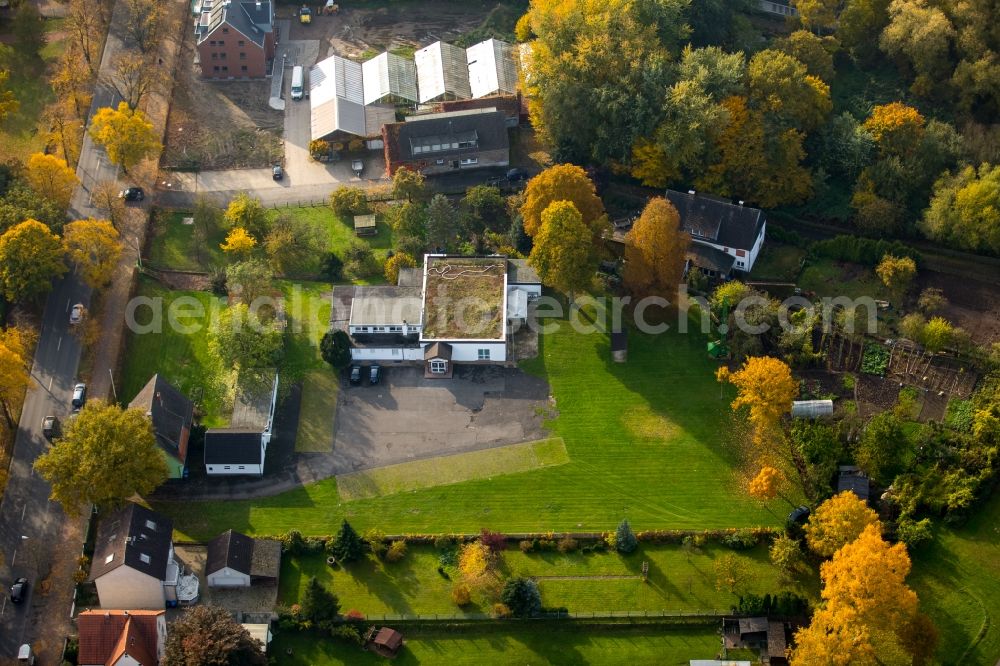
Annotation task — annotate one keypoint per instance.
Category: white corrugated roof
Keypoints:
(336, 96)
(491, 68)
(442, 70)
(389, 74)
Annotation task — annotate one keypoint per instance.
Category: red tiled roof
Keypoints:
(107, 635)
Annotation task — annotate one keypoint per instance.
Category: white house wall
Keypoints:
(124, 587)
(126, 660)
(464, 352)
(750, 257)
(234, 470)
(533, 290)
(387, 354)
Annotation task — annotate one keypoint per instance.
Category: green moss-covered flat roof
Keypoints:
(464, 298)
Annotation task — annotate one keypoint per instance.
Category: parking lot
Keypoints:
(407, 417)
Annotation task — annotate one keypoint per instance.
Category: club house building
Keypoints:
(456, 310)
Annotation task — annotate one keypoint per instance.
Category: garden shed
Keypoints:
(364, 225)
(387, 642)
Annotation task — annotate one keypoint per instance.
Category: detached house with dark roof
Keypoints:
(441, 142)
(121, 637)
(236, 39)
(240, 448)
(236, 560)
(134, 565)
(172, 415)
(724, 236)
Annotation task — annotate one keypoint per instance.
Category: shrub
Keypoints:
(960, 415)
(348, 632)
(293, 543)
(495, 541)
(522, 597)
(501, 610)
(526, 546)
(913, 532)
(461, 595)
(546, 544)
(448, 558)
(875, 360)
(567, 545)
(375, 539)
(397, 551)
(740, 540)
(444, 542)
(396, 262)
(354, 615)
(862, 250)
(349, 201)
(359, 260)
(625, 541)
(331, 268)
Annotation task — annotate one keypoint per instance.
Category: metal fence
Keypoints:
(700, 614)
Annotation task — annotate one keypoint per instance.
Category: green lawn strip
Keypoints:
(176, 245)
(647, 440)
(183, 358)
(445, 470)
(957, 577)
(828, 277)
(580, 582)
(317, 412)
(525, 644)
(307, 315)
(23, 133)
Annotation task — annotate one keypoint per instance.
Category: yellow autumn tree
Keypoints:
(476, 563)
(562, 182)
(94, 246)
(896, 128)
(897, 274)
(14, 377)
(655, 249)
(239, 242)
(766, 484)
(126, 134)
(869, 615)
(837, 522)
(563, 253)
(51, 178)
(764, 385)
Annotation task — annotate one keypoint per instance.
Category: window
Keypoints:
(243, 56)
(222, 55)
(144, 557)
(243, 466)
(439, 367)
(741, 253)
(225, 69)
(395, 329)
(439, 161)
(215, 56)
(436, 146)
(215, 69)
(150, 525)
(222, 42)
(211, 43)
(484, 354)
(225, 31)
(469, 161)
(466, 144)
(227, 467)
(395, 352)
(241, 43)
(243, 68)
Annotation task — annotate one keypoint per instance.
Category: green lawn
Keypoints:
(445, 470)
(183, 359)
(528, 644)
(828, 277)
(175, 244)
(579, 582)
(317, 412)
(778, 262)
(957, 577)
(648, 440)
(307, 312)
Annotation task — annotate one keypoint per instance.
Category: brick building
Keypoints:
(443, 142)
(235, 39)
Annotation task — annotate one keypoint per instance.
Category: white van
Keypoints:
(297, 89)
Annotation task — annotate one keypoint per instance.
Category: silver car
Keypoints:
(76, 314)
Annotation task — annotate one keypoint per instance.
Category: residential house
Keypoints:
(442, 73)
(235, 39)
(121, 637)
(430, 323)
(236, 560)
(240, 448)
(134, 565)
(172, 415)
(389, 78)
(492, 70)
(444, 142)
(338, 111)
(724, 236)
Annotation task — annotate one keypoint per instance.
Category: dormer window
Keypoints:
(144, 557)
(150, 525)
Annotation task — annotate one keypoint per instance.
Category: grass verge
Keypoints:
(445, 470)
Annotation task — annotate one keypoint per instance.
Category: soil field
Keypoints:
(972, 305)
(221, 124)
(356, 32)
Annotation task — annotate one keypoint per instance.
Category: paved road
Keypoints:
(26, 510)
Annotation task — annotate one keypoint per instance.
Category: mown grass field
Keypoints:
(579, 582)
(828, 277)
(525, 644)
(317, 412)
(456, 468)
(650, 440)
(957, 577)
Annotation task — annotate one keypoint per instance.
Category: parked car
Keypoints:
(19, 590)
(79, 397)
(357, 166)
(355, 374)
(132, 194)
(25, 655)
(76, 314)
(799, 515)
(517, 175)
(50, 427)
(277, 173)
(374, 374)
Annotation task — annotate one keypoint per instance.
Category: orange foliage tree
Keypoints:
(837, 522)
(766, 386)
(896, 128)
(870, 615)
(766, 484)
(654, 250)
(562, 182)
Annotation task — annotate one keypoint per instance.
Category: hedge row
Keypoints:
(861, 250)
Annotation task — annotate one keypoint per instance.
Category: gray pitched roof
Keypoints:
(133, 536)
(250, 19)
(487, 131)
(716, 220)
(519, 271)
(168, 409)
(709, 258)
(229, 549)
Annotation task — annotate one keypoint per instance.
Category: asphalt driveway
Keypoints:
(408, 417)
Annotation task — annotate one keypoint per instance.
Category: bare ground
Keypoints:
(220, 125)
